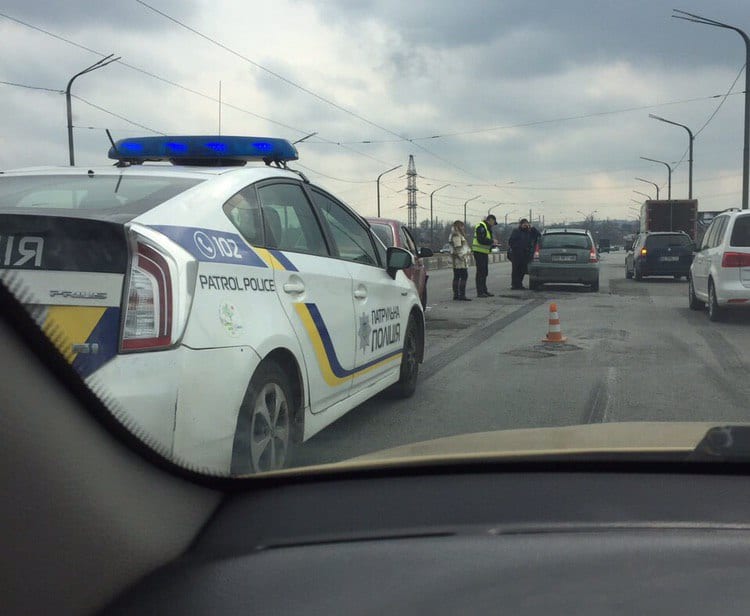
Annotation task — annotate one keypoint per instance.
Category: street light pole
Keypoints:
(432, 220)
(654, 184)
(465, 204)
(100, 64)
(643, 194)
(378, 183)
(669, 174)
(746, 149)
(691, 138)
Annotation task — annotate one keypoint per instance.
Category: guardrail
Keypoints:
(441, 260)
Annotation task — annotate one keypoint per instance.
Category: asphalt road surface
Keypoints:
(635, 352)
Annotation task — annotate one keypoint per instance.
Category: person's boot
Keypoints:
(462, 291)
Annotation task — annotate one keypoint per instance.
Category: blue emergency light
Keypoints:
(203, 150)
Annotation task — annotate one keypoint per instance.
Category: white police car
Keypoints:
(231, 311)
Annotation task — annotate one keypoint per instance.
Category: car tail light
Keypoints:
(149, 302)
(536, 253)
(593, 257)
(644, 252)
(735, 259)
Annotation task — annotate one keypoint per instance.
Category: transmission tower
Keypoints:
(411, 191)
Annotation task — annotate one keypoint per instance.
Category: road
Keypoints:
(635, 352)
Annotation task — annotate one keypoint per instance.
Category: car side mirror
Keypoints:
(397, 259)
(423, 253)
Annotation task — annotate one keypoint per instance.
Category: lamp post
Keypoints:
(100, 64)
(378, 183)
(654, 184)
(691, 138)
(669, 174)
(746, 149)
(465, 204)
(432, 220)
(643, 194)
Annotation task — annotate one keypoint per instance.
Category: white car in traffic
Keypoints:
(720, 272)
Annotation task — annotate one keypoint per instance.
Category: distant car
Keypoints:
(394, 233)
(446, 249)
(660, 254)
(604, 245)
(565, 256)
(720, 272)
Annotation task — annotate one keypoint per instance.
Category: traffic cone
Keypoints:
(555, 333)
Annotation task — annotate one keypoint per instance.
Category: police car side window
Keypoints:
(352, 239)
(289, 221)
(244, 212)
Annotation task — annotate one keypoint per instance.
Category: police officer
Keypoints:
(521, 243)
(481, 247)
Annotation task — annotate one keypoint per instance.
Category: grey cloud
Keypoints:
(587, 30)
(92, 14)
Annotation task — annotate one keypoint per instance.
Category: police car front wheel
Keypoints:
(263, 441)
(407, 383)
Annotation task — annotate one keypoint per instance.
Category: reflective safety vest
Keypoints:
(475, 245)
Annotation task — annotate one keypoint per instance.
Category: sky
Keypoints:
(519, 105)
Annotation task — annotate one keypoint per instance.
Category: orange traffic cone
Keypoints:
(555, 333)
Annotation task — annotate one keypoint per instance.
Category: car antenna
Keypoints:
(282, 165)
(120, 162)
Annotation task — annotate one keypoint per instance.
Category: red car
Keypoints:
(393, 233)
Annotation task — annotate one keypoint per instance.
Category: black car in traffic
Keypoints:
(660, 254)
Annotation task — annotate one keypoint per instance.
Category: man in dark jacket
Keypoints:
(481, 248)
(521, 243)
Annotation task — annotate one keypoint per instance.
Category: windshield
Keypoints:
(243, 317)
(384, 232)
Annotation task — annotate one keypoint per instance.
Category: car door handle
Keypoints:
(294, 287)
(360, 293)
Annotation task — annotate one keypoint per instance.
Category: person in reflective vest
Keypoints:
(481, 246)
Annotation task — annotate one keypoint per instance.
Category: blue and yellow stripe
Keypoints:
(275, 259)
(333, 372)
(68, 326)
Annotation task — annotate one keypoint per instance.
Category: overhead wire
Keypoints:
(84, 101)
(300, 87)
(188, 89)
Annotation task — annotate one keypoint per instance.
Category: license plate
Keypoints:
(669, 258)
(563, 258)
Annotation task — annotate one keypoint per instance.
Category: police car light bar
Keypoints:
(203, 150)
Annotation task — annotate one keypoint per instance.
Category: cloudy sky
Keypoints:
(531, 104)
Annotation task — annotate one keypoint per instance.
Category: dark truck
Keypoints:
(605, 245)
(670, 215)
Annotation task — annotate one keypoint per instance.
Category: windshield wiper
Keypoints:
(723, 444)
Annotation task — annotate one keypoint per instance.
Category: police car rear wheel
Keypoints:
(263, 439)
(407, 383)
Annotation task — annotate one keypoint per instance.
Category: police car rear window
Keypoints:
(96, 192)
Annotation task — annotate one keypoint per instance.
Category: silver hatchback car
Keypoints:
(565, 256)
